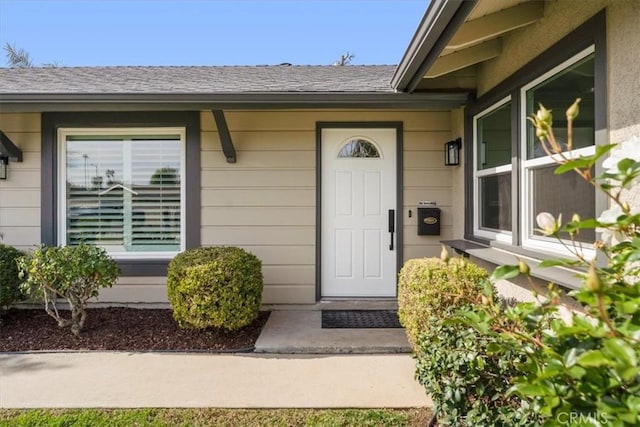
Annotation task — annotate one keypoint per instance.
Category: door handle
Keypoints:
(392, 225)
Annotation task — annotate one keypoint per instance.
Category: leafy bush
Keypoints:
(431, 287)
(9, 281)
(585, 371)
(75, 273)
(466, 381)
(215, 287)
(176, 270)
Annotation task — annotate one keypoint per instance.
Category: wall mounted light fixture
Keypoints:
(4, 161)
(8, 150)
(452, 152)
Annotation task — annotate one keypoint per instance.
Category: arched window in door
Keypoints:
(359, 148)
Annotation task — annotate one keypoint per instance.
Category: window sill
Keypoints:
(508, 255)
(143, 267)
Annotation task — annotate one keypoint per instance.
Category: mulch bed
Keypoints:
(122, 329)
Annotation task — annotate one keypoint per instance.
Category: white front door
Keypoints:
(358, 198)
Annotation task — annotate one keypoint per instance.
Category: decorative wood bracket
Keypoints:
(225, 137)
(9, 149)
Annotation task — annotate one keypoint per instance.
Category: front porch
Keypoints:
(296, 329)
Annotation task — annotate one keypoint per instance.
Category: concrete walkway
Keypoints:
(297, 364)
(120, 380)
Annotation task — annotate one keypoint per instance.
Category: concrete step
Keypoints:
(300, 331)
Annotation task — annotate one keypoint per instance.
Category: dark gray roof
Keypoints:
(196, 80)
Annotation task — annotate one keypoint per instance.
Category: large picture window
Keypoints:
(123, 190)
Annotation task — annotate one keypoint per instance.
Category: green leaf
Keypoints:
(625, 164)
(578, 225)
(593, 358)
(564, 262)
(580, 163)
(552, 369)
(621, 351)
(505, 272)
(577, 372)
(530, 389)
(633, 402)
(629, 373)
(570, 357)
(629, 307)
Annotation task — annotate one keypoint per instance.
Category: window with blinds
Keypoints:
(122, 190)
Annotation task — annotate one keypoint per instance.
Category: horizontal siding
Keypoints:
(289, 294)
(266, 201)
(258, 178)
(258, 216)
(426, 178)
(305, 120)
(20, 193)
(263, 159)
(16, 197)
(266, 197)
(279, 255)
(134, 294)
(246, 141)
(419, 141)
(21, 237)
(19, 122)
(258, 236)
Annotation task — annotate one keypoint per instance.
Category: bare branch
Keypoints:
(344, 59)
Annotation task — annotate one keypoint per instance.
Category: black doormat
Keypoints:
(333, 319)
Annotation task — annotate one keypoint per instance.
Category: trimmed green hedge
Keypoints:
(430, 287)
(467, 381)
(215, 287)
(9, 280)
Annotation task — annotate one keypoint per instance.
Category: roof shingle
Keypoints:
(196, 80)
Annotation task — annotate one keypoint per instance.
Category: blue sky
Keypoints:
(209, 32)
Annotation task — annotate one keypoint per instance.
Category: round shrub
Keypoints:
(430, 287)
(215, 287)
(9, 280)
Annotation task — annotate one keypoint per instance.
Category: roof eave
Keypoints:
(438, 26)
(33, 102)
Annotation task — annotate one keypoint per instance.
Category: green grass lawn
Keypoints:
(213, 417)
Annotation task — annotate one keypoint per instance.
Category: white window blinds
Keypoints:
(123, 192)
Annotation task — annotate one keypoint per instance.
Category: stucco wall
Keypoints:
(623, 27)
(522, 45)
(623, 39)
(623, 54)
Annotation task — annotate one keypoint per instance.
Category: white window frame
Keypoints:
(498, 235)
(63, 133)
(527, 222)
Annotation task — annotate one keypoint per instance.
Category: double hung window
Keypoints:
(546, 192)
(501, 164)
(493, 171)
(122, 189)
